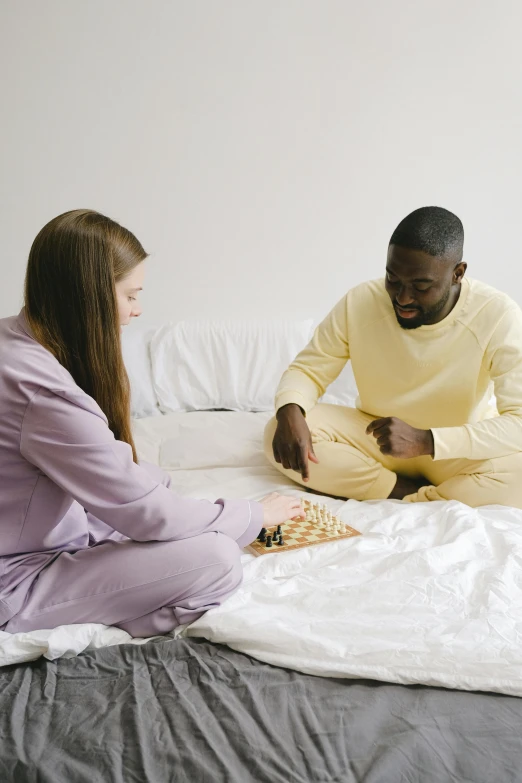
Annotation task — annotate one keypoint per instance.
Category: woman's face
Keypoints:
(127, 290)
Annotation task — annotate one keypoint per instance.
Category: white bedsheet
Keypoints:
(430, 593)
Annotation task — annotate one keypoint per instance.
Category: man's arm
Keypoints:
(500, 436)
(319, 364)
(303, 383)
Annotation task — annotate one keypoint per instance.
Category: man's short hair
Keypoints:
(433, 230)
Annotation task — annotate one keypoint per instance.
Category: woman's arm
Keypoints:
(65, 434)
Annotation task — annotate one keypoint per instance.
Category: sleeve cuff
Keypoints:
(451, 443)
(293, 397)
(255, 523)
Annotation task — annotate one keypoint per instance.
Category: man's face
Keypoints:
(420, 286)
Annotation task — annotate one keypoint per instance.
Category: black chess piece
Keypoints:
(262, 535)
(279, 531)
(268, 541)
(275, 537)
(280, 542)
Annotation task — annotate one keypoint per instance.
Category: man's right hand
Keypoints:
(292, 442)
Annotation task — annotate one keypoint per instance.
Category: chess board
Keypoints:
(300, 533)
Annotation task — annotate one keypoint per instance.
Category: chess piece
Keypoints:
(262, 535)
(280, 542)
(268, 541)
(275, 537)
(278, 531)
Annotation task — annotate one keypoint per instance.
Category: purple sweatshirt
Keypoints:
(65, 480)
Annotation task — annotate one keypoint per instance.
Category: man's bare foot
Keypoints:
(407, 486)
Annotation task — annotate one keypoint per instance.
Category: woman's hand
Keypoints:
(280, 508)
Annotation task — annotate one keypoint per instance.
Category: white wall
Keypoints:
(262, 150)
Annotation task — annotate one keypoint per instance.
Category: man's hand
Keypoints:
(292, 442)
(397, 439)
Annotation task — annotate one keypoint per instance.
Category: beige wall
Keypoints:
(262, 150)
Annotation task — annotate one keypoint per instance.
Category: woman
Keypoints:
(87, 533)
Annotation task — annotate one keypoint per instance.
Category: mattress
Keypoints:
(428, 594)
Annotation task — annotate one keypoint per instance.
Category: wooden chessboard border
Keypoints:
(321, 536)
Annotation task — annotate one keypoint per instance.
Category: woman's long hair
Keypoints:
(70, 304)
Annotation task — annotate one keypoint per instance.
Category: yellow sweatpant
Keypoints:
(352, 466)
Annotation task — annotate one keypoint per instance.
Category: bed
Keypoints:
(394, 656)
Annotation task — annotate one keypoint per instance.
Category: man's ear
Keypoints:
(459, 272)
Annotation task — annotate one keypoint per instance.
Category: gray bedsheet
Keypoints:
(195, 712)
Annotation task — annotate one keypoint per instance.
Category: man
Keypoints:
(428, 346)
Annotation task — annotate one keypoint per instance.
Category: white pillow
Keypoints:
(199, 440)
(233, 365)
(135, 342)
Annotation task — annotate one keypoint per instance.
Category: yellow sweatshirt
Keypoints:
(439, 377)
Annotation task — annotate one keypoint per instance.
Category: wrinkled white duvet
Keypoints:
(430, 593)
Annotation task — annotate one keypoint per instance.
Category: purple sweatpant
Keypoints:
(144, 588)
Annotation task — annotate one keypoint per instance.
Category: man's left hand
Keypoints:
(397, 439)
